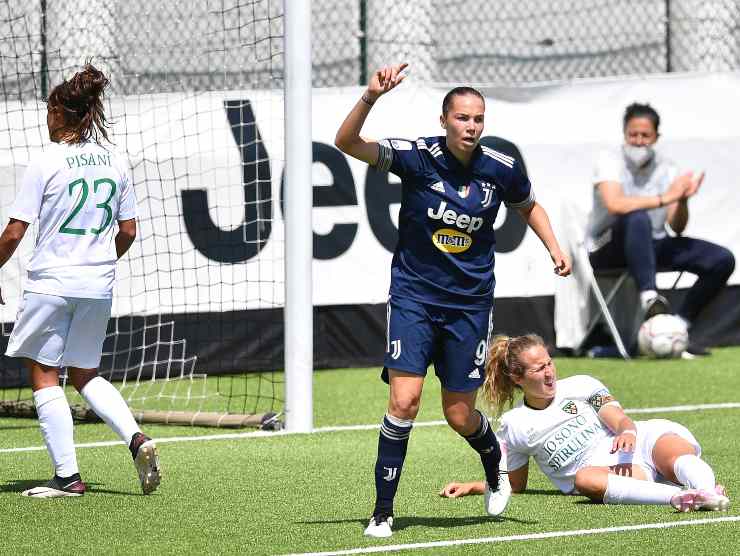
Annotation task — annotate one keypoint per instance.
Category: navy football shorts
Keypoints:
(454, 340)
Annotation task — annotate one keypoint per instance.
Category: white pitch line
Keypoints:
(527, 537)
(342, 428)
(683, 408)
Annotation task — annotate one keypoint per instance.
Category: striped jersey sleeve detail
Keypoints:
(435, 150)
(525, 203)
(385, 156)
(501, 157)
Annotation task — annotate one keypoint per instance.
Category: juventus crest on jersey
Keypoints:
(446, 246)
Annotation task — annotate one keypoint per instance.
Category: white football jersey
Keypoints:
(77, 192)
(562, 437)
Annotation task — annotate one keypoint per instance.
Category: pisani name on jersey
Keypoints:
(88, 159)
(570, 441)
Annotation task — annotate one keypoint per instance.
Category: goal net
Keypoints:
(196, 101)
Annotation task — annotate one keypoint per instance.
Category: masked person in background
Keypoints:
(637, 191)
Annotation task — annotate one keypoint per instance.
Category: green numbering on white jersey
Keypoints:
(108, 212)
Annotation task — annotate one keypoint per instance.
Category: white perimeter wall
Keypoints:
(178, 142)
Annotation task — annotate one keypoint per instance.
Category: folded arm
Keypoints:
(613, 416)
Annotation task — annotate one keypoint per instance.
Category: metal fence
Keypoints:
(230, 44)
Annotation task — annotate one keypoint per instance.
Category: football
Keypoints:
(663, 336)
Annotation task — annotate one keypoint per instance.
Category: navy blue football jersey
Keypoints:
(445, 252)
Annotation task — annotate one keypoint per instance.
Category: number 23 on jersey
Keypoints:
(83, 190)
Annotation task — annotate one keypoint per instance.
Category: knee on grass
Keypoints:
(591, 483)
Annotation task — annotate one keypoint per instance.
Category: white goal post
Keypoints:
(298, 204)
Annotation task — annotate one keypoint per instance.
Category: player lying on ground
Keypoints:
(75, 189)
(582, 440)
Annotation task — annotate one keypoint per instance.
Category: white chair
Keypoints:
(604, 299)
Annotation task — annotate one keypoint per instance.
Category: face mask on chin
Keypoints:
(638, 156)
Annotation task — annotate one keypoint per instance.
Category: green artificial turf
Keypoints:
(313, 492)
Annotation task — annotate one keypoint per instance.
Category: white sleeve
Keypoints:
(608, 168)
(516, 457)
(27, 204)
(671, 174)
(591, 391)
(127, 204)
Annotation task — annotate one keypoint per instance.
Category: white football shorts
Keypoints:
(60, 331)
(648, 433)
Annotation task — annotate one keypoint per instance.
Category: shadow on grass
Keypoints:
(541, 492)
(401, 523)
(21, 484)
(33, 425)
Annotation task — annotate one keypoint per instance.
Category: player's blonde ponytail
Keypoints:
(503, 364)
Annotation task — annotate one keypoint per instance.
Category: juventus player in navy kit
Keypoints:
(441, 294)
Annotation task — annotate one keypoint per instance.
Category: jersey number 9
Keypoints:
(480, 353)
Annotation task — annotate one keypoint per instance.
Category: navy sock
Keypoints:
(392, 443)
(483, 441)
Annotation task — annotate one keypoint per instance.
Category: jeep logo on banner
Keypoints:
(247, 240)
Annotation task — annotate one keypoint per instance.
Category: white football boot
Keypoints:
(495, 501)
(380, 526)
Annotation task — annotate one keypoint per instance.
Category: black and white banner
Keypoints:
(208, 169)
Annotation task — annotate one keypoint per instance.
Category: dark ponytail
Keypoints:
(80, 101)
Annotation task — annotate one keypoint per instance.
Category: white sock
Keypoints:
(646, 297)
(55, 420)
(107, 402)
(694, 472)
(626, 490)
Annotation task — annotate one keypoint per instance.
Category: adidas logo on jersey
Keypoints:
(439, 186)
(475, 373)
(449, 216)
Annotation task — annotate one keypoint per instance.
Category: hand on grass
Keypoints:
(455, 490)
